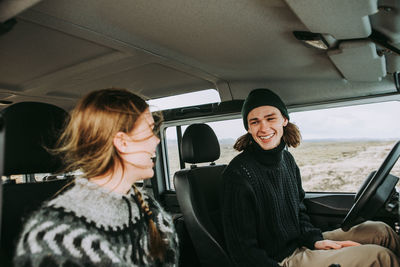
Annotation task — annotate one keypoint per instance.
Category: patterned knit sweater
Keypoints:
(86, 225)
(263, 214)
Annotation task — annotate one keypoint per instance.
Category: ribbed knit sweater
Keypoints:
(86, 225)
(263, 213)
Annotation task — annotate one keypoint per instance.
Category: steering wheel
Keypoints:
(378, 186)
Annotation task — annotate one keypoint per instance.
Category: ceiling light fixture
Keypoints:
(315, 40)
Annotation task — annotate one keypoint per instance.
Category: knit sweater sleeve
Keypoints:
(50, 238)
(239, 223)
(309, 233)
(39, 245)
(45, 260)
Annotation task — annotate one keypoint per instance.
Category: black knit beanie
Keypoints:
(262, 97)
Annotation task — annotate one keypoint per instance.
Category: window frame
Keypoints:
(184, 122)
(185, 117)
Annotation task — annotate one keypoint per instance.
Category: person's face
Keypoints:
(266, 126)
(140, 147)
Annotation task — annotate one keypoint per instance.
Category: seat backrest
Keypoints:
(30, 128)
(198, 190)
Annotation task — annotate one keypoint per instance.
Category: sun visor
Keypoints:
(359, 61)
(341, 19)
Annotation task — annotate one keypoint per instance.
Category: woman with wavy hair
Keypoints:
(102, 218)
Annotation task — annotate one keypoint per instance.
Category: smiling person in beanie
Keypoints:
(263, 215)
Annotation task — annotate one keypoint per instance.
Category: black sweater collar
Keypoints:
(267, 157)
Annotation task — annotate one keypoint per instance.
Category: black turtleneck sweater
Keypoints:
(263, 213)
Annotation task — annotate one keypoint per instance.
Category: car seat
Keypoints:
(30, 128)
(198, 191)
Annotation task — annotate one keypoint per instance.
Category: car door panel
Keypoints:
(327, 210)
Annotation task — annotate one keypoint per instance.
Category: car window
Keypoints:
(36, 177)
(226, 131)
(184, 100)
(40, 177)
(341, 146)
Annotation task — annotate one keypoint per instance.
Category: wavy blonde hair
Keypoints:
(87, 141)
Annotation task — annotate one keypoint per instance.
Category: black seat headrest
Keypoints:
(31, 127)
(200, 144)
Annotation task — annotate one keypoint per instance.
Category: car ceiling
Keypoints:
(61, 49)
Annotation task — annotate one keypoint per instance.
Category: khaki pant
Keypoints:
(381, 247)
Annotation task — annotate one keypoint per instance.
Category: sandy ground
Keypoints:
(326, 166)
(340, 167)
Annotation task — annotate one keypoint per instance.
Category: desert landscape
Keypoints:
(340, 166)
(333, 166)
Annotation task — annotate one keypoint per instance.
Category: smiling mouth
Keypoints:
(267, 137)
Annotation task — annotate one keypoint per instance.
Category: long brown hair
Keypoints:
(158, 246)
(291, 136)
(87, 141)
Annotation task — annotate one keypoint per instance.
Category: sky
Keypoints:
(370, 121)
